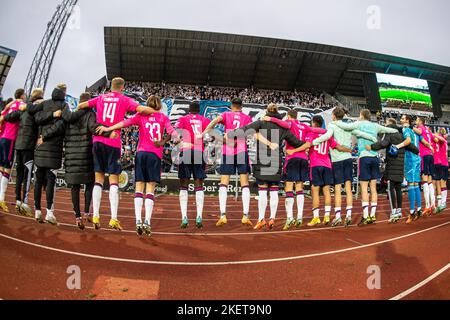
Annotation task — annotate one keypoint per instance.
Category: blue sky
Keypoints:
(409, 28)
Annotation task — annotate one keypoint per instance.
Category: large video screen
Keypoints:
(404, 93)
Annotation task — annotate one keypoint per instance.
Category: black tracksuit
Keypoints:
(25, 145)
(394, 173)
(269, 164)
(79, 162)
(48, 156)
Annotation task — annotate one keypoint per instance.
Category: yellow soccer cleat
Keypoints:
(314, 222)
(96, 222)
(326, 220)
(289, 224)
(4, 206)
(115, 224)
(261, 224)
(222, 221)
(246, 221)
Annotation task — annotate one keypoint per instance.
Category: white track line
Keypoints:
(214, 234)
(224, 263)
(421, 284)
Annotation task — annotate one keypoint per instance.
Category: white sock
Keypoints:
(300, 205)
(290, 205)
(365, 206)
(426, 193)
(262, 204)
(349, 212)
(97, 199)
(3, 187)
(223, 195)
(338, 212)
(439, 200)
(138, 204)
(200, 199)
(114, 200)
(393, 212)
(373, 211)
(316, 213)
(327, 211)
(432, 195)
(184, 197)
(149, 204)
(444, 197)
(274, 201)
(246, 200)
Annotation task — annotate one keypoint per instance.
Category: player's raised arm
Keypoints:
(145, 110)
(364, 135)
(83, 105)
(327, 136)
(348, 126)
(212, 125)
(278, 122)
(382, 129)
(274, 146)
(304, 147)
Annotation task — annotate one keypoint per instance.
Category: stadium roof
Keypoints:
(7, 57)
(192, 57)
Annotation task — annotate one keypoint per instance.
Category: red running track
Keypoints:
(232, 262)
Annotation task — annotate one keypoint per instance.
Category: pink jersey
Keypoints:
(435, 145)
(233, 121)
(111, 109)
(300, 131)
(427, 135)
(11, 130)
(320, 155)
(442, 153)
(192, 125)
(151, 129)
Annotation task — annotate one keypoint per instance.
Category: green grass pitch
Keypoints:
(405, 96)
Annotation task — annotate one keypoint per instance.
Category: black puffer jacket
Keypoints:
(394, 165)
(28, 131)
(269, 165)
(78, 160)
(49, 154)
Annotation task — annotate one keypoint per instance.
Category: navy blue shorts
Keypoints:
(297, 170)
(369, 169)
(343, 171)
(192, 165)
(444, 173)
(440, 172)
(107, 159)
(321, 176)
(148, 167)
(428, 166)
(269, 183)
(233, 164)
(6, 153)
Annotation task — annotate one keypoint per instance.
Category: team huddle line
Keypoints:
(40, 132)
